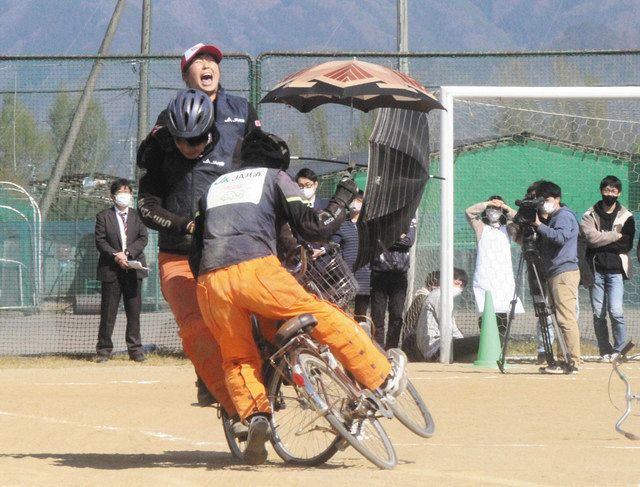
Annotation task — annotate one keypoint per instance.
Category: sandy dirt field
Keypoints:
(128, 424)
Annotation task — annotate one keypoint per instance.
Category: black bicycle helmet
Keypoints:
(190, 114)
(262, 149)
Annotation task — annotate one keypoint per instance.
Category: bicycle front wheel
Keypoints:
(237, 444)
(412, 412)
(300, 435)
(363, 431)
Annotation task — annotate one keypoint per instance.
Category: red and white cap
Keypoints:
(200, 48)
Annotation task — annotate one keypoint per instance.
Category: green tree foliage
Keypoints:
(91, 148)
(319, 128)
(361, 133)
(23, 146)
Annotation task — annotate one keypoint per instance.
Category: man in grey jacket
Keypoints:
(559, 252)
(609, 230)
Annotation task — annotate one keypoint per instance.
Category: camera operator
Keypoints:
(558, 239)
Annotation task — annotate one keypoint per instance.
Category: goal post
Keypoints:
(448, 96)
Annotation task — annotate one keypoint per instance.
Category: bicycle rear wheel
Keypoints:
(363, 431)
(300, 435)
(412, 412)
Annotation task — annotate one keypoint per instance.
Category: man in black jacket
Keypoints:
(179, 167)
(120, 238)
(389, 287)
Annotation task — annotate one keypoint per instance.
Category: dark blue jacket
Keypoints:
(559, 242)
(172, 185)
(347, 238)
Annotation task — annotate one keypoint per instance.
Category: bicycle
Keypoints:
(300, 434)
(629, 396)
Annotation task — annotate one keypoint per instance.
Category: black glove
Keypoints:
(345, 192)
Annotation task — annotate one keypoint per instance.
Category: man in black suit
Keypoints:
(120, 237)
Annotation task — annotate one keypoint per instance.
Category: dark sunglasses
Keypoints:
(195, 141)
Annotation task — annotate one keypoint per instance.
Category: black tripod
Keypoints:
(543, 310)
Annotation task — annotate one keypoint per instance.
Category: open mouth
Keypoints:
(206, 78)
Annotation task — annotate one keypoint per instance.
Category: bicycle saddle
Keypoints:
(293, 326)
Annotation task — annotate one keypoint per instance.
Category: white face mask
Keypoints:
(548, 207)
(355, 206)
(308, 192)
(456, 291)
(123, 199)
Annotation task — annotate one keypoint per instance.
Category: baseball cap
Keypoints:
(192, 52)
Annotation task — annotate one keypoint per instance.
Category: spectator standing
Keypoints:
(389, 288)
(494, 269)
(347, 238)
(120, 237)
(609, 229)
(559, 253)
(308, 183)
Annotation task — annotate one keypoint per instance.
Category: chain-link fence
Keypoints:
(48, 291)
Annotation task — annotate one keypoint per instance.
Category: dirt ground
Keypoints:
(129, 424)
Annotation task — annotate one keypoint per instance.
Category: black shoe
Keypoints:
(100, 359)
(138, 358)
(256, 451)
(205, 398)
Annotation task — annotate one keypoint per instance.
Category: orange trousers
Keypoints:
(179, 290)
(228, 296)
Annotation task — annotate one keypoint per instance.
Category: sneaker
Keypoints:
(205, 398)
(138, 358)
(100, 359)
(256, 451)
(614, 356)
(542, 358)
(605, 358)
(552, 369)
(396, 383)
(239, 430)
(571, 370)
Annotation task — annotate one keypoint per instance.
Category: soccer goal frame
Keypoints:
(448, 95)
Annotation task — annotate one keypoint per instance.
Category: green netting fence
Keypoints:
(48, 292)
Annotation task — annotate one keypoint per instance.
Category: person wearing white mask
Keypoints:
(559, 252)
(120, 238)
(308, 183)
(347, 238)
(427, 328)
(494, 269)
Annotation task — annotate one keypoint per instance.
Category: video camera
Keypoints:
(528, 207)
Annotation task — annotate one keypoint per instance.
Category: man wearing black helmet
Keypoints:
(179, 166)
(239, 274)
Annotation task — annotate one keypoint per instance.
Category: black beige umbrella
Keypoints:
(354, 83)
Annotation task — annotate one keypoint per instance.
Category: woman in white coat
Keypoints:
(494, 270)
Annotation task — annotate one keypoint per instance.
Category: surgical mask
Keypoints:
(548, 207)
(608, 199)
(493, 215)
(355, 206)
(456, 291)
(308, 192)
(123, 199)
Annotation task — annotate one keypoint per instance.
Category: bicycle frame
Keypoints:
(629, 396)
(367, 402)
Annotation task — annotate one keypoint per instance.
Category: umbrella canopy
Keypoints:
(398, 174)
(359, 84)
